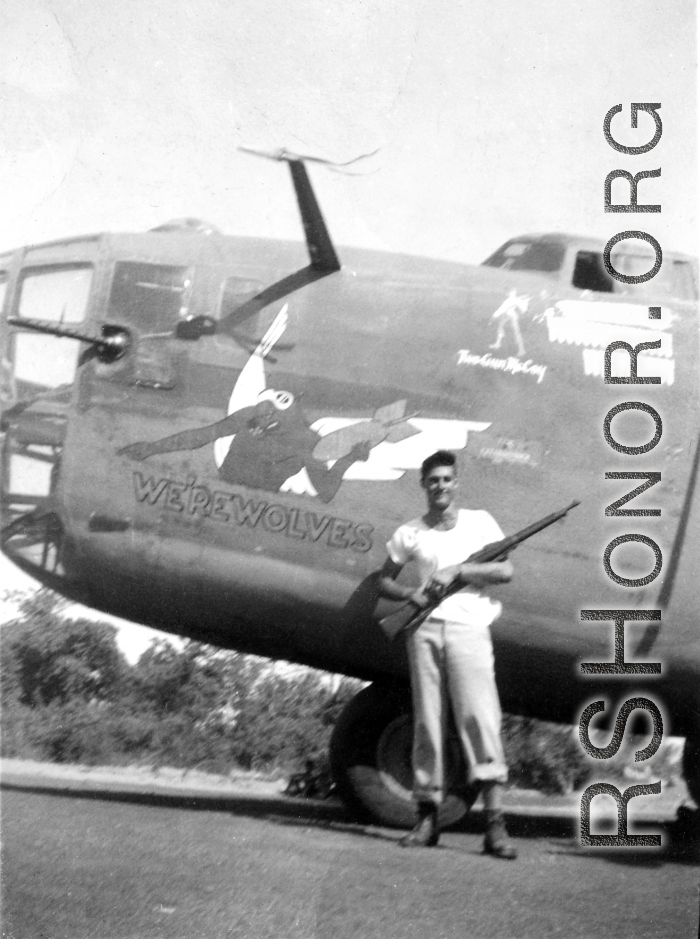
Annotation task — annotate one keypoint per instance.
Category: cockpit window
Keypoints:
(150, 299)
(55, 294)
(685, 280)
(590, 273)
(667, 283)
(152, 296)
(634, 265)
(673, 281)
(42, 369)
(544, 256)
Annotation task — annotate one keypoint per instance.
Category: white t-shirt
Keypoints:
(433, 550)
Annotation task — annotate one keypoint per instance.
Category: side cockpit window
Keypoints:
(674, 280)
(590, 273)
(42, 370)
(148, 300)
(150, 296)
(684, 277)
(53, 295)
(57, 295)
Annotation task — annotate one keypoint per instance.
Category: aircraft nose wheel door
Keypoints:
(370, 755)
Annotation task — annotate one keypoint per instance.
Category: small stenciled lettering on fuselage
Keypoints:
(509, 451)
(190, 499)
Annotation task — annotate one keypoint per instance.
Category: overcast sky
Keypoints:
(487, 115)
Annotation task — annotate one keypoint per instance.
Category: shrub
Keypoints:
(69, 696)
(544, 756)
(286, 721)
(71, 733)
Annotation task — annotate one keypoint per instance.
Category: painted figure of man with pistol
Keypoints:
(450, 652)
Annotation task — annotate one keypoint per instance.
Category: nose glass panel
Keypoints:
(38, 372)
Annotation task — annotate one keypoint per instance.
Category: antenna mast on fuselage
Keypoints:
(322, 253)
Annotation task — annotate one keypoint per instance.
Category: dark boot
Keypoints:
(426, 833)
(496, 840)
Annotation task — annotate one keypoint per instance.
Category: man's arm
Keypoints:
(391, 590)
(471, 575)
(479, 575)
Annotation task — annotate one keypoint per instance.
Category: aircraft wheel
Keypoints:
(691, 767)
(370, 756)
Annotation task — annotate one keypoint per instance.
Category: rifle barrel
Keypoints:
(408, 613)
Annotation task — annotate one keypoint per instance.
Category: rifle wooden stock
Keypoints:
(409, 614)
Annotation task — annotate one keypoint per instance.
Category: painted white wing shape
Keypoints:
(251, 382)
(388, 461)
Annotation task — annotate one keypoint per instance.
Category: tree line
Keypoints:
(70, 696)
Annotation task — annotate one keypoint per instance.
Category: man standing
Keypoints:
(450, 653)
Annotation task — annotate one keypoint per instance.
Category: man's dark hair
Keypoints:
(439, 458)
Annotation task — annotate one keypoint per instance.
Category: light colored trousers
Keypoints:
(452, 664)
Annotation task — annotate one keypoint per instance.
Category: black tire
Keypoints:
(370, 756)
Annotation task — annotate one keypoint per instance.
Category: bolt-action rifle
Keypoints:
(409, 614)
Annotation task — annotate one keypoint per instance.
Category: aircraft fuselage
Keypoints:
(235, 474)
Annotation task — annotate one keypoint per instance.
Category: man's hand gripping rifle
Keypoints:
(410, 614)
